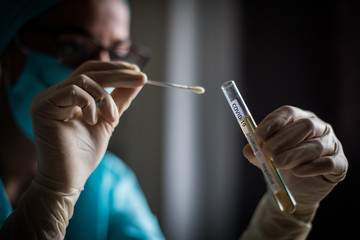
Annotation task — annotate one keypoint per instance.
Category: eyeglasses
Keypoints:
(74, 45)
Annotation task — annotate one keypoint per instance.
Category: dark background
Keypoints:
(301, 53)
(306, 54)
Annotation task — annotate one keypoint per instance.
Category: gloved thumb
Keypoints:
(249, 154)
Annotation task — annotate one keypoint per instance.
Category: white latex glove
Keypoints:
(71, 133)
(307, 153)
(71, 136)
(269, 223)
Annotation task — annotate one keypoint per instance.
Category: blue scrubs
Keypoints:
(111, 206)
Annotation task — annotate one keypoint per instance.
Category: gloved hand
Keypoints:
(307, 153)
(71, 136)
(71, 132)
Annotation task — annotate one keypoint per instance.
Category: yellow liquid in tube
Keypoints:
(283, 197)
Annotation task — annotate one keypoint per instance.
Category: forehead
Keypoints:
(107, 20)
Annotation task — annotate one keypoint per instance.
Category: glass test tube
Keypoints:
(272, 175)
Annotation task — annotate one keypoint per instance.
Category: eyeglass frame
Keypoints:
(138, 54)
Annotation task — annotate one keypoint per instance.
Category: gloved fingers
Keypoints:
(123, 78)
(123, 97)
(279, 118)
(87, 84)
(298, 155)
(306, 151)
(66, 101)
(249, 154)
(329, 167)
(293, 134)
(320, 156)
(127, 82)
(108, 109)
(104, 66)
(100, 96)
(93, 76)
(112, 74)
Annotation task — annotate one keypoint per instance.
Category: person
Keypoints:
(56, 59)
(46, 160)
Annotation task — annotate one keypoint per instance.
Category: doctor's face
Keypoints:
(75, 31)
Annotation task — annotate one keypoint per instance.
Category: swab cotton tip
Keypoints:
(198, 90)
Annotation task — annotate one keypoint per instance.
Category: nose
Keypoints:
(103, 55)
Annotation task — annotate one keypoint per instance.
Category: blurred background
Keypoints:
(186, 149)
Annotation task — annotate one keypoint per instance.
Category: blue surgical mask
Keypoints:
(40, 72)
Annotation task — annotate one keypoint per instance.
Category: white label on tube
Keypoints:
(237, 110)
(255, 146)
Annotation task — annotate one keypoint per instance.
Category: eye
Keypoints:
(69, 48)
(75, 45)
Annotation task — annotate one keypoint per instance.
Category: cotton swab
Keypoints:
(195, 89)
